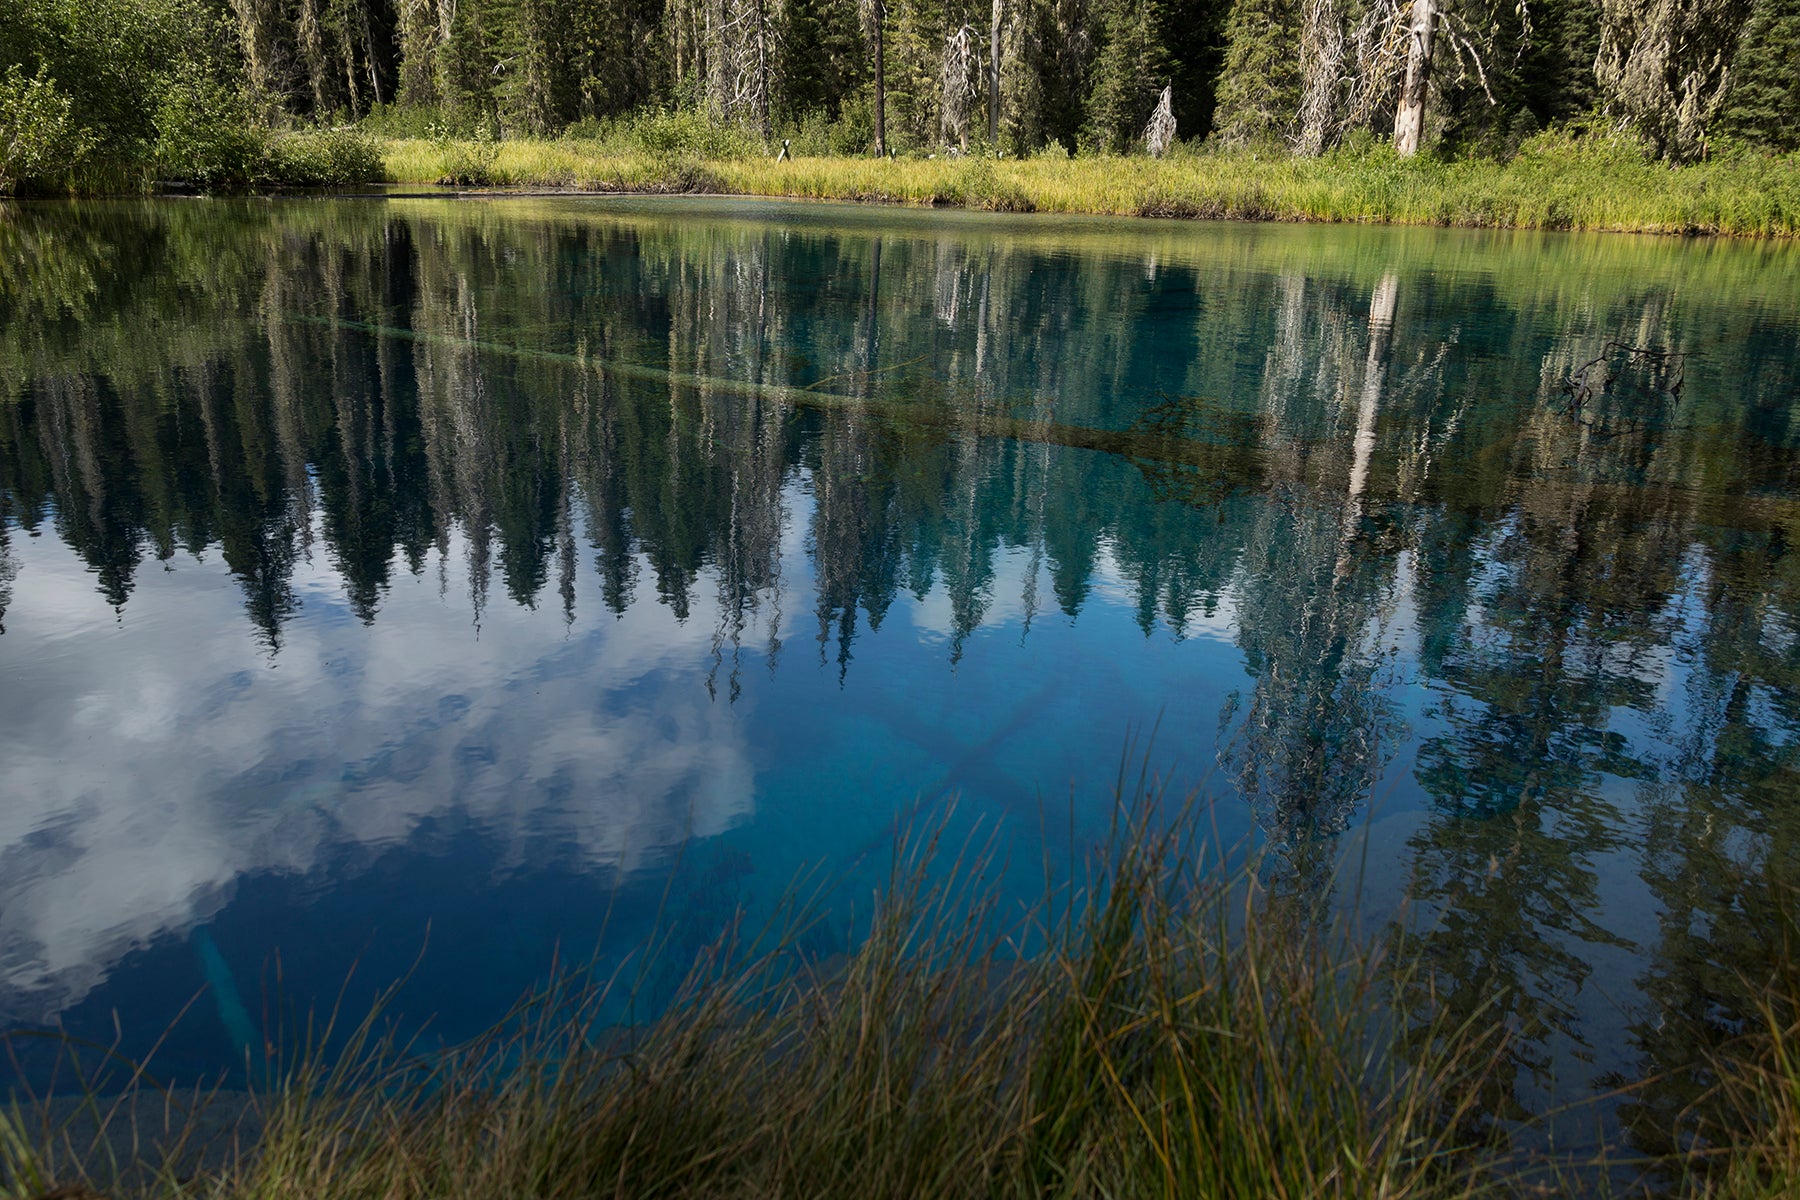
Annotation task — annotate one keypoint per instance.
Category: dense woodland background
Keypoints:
(102, 88)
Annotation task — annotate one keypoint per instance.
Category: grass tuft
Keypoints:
(1160, 1027)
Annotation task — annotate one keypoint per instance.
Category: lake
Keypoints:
(427, 588)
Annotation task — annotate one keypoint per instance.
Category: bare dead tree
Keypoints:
(1664, 67)
(961, 64)
(1377, 56)
(256, 22)
(312, 50)
(740, 57)
(1353, 78)
(1321, 76)
(1409, 117)
(1159, 135)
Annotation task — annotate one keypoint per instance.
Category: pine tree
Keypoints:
(1132, 68)
(1260, 88)
(820, 57)
(1763, 102)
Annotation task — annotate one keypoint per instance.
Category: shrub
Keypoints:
(206, 135)
(1590, 142)
(472, 164)
(404, 121)
(693, 134)
(980, 186)
(324, 158)
(39, 137)
(851, 135)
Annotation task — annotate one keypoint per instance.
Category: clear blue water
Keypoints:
(443, 586)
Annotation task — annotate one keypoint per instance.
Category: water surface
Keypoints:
(444, 585)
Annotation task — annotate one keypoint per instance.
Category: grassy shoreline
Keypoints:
(1181, 1032)
(1569, 186)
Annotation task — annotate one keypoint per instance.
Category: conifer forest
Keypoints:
(99, 93)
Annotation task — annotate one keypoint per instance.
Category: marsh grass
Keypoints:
(1551, 184)
(1160, 1027)
(1746, 1143)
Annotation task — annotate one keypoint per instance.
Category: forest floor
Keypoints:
(1566, 186)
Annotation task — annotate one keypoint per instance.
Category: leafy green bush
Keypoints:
(472, 164)
(40, 140)
(693, 134)
(852, 134)
(112, 60)
(323, 158)
(206, 136)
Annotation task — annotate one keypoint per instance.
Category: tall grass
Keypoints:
(1164, 1036)
(1748, 1145)
(1161, 1028)
(1554, 183)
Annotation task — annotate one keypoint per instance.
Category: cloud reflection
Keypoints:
(204, 760)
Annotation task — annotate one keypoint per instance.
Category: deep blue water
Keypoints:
(445, 586)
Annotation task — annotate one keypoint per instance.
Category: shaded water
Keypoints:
(431, 585)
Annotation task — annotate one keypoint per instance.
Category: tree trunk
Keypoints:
(1409, 118)
(762, 72)
(880, 81)
(994, 80)
(312, 51)
(369, 42)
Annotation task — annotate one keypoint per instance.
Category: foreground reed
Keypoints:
(1163, 1029)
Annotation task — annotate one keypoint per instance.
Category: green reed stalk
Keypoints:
(1159, 1026)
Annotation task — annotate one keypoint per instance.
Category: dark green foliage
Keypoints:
(821, 61)
(1763, 104)
(39, 139)
(1539, 75)
(1131, 69)
(1194, 32)
(1260, 87)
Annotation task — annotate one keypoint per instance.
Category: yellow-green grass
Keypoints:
(1560, 186)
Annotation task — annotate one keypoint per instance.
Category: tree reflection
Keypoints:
(1361, 469)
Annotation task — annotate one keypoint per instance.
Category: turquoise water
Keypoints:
(439, 587)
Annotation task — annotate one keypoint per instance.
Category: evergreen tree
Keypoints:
(1131, 69)
(821, 58)
(1259, 89)
(1763, 103)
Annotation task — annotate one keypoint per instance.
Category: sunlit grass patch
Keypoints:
(1745, 194)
